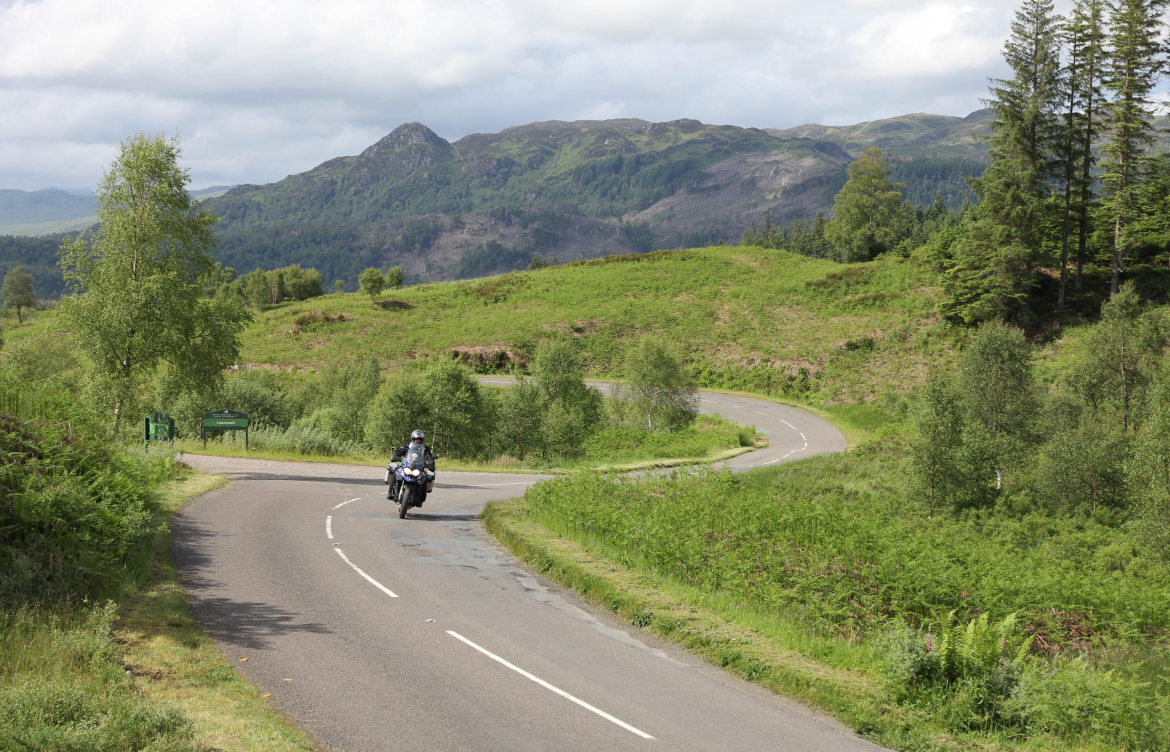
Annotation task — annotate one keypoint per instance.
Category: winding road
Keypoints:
(375, 633)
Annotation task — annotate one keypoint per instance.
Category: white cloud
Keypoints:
(259, 89)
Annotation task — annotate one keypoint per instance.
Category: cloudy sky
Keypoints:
(259, 89)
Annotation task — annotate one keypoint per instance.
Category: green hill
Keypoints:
(43, 212)
(488, 203)
(915, 135)
(745, 318)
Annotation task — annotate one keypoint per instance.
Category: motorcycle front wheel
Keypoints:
(405, 496)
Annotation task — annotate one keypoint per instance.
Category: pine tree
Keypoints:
(1081, 81)
(1153, 226)
(1136, 61)
(995, 267)
(1088, 24)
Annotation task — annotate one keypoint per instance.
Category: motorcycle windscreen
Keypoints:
(414, 457)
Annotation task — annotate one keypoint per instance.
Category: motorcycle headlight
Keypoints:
(414, 472)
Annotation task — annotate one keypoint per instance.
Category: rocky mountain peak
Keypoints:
(404, 135)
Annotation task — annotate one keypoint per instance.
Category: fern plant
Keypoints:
(979, 648)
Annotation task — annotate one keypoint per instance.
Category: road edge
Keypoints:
(665, 610)
(175, 662)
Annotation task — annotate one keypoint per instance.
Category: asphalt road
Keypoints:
(375, 633)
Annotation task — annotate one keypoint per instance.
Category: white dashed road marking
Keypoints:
(371, 580)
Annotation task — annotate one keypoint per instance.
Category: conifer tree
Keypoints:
(1135, 63)
(1088, 25)
(1081, 79)
(996, 265)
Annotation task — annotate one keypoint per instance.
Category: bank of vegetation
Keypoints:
(549, 419)
(995, 554)
(97, 648)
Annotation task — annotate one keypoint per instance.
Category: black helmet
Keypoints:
(417, 436)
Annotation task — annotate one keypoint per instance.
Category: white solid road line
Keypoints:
(339, 506)
(329, 527)
(358, 569)
(550, 687)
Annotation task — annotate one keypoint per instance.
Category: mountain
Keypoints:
(917, 135)
(43, 212)
(488, 203)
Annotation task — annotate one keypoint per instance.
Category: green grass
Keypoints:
(745, 319)
(52, 227)
(134, 675)
(811, 562)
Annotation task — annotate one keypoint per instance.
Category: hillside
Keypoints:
(913, 135)
(488, 203)
(552, 188)
(767, 321)
(43, 212)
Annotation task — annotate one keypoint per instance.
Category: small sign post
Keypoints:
(158, 427)
(225, 420)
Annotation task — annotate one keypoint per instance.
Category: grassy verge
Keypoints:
(173, 661)
(136, 675)
(771, 652)
(797, 577)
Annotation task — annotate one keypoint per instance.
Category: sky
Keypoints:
(259, 89)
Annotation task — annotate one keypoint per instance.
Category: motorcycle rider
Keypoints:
(417, 443)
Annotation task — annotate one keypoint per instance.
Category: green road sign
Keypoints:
(158, 427)
(225, 420)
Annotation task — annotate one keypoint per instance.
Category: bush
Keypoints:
(399, 407)
(1073, 701)
(978, 662)
(74, 513)
(302, 284)
(260, 395)
(311, 435)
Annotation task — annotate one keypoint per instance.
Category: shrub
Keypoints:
(1072, 700)
(397, 409)
(73, 511)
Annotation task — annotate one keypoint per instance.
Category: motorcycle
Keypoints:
(410, 479)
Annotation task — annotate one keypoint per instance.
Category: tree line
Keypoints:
(548, 414)
(1072, 186)
(1071, 180)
